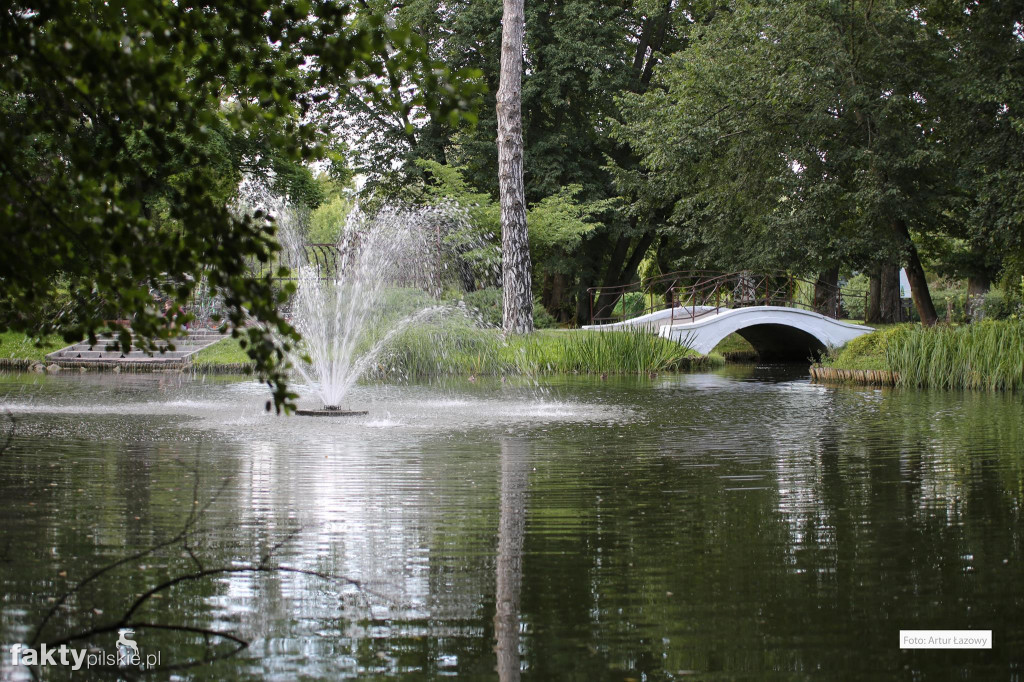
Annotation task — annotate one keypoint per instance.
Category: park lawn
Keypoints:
(18, 346)
(224, 352)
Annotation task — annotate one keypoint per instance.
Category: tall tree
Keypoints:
(578, 55)
(800, 135)
(515, 239)
(982, 99)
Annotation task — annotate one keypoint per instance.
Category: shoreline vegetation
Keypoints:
(987, 355)
(454, 350)
(459, 349)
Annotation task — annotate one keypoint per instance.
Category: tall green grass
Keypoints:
(983, 355)
(452, 342)
(454, 349)
(612, 352)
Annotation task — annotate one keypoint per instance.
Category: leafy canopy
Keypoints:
(117, 121)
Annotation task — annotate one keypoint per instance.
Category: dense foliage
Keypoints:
(819, 137)
(578, 55)
(823, 138)
(126, 129)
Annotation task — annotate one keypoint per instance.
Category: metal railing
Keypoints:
(692, 294)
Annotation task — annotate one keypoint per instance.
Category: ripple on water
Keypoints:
(741, 528)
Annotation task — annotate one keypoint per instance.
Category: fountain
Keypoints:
(386, 273)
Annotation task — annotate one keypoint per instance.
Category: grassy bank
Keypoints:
(224, 352)
(17, 346)
(868, 351)
(982, 355)
(450, 348)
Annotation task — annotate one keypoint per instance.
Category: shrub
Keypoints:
(488, 304)
(631, 304)
(950, 300)
(853, 304)
(1000, 305)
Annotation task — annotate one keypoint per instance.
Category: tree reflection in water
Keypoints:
(511, 528)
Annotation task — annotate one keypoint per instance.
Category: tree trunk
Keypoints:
(915, 273)
(621, 270)
(515, 247)
(890, 304)
(582, 304)
(977, 287)
(605, 302)
(628, 273)
(556, 299)
(873, 311)
(826, 292)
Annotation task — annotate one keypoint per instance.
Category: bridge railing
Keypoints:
(692, 294)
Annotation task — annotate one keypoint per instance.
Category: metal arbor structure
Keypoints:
(328, 260)
(692, 294)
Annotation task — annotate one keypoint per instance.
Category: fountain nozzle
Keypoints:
(330, 411)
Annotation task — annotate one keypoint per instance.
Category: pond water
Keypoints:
(743, 524)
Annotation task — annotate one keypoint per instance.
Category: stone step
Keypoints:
(96, 352)
(102, 346)
(83, 352)
(74, 362)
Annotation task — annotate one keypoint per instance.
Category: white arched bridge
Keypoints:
(781, 316)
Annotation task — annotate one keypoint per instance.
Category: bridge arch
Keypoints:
(776, 332)
(782, 342)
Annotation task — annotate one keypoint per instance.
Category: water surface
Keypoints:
(745, 524)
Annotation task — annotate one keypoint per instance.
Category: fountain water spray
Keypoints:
(385, 273)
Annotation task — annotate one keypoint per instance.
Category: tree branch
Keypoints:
(127, 619)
